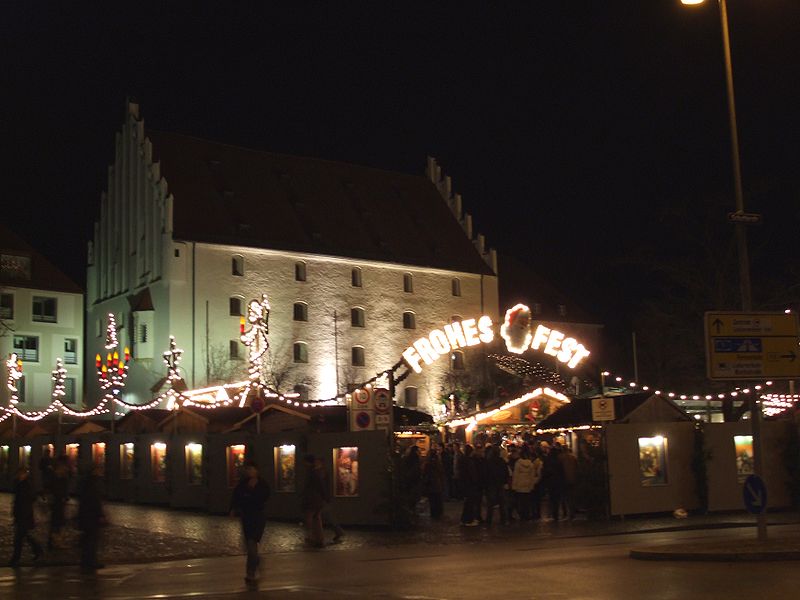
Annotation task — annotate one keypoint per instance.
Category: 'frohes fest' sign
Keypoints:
(516, 331)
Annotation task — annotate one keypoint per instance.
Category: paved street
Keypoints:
(541, 568)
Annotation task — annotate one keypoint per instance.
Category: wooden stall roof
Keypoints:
(629, 408)
(142, 421)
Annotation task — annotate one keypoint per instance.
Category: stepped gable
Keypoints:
(231, 195)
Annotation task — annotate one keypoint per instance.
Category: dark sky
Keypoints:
(567, 126)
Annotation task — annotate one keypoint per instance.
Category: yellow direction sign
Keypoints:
(752, 345)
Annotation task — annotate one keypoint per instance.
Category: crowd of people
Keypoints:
(527, 480)
(90, 518)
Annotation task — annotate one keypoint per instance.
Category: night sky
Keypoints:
(568, 127)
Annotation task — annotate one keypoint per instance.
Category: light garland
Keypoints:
(635, 385)
(472, 421)
(568, 429)
(775, 404)
(522, 368)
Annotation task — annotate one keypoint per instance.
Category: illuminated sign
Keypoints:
(516, 331)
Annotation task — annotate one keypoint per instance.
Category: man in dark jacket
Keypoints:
(247, 502)
(497, 476)
(91, 520)
(468, 475)
(315, 495)
(24, 497)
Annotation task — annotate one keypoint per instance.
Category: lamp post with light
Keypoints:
(741, 236)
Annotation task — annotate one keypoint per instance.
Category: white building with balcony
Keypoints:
(41, 319)
(357, 262)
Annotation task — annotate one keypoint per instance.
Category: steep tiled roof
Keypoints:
(44, 275)
(232, 195)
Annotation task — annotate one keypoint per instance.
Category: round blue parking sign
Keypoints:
(754, 494)
(363, 420)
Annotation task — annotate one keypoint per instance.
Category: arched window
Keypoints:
(457, 360)
(357, 317)
(357, 356)
(300, 311)
(235, 306)
(408, 283)
(300, 352)
(409, 320)
(237, 265)
(300, 271)
(355, 277)
(410, 397)
(456, 286)
(456, 319)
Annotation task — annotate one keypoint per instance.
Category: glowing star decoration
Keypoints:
(516, 329)
(172, 357)
(14, 364)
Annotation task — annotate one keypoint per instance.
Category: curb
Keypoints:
(699, 556)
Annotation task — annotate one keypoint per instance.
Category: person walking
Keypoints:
(497, 477)
(433, 478)
(552, 478)
(248, 501)
(569, 466)
(468, 477)
(313, 500)
(59, 493)
(24, 497)
(91, 519)
(523, 480)
(328, 517)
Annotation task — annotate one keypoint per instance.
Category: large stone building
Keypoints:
(41, 319)
(357, 262)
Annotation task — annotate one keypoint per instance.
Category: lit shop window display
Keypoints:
(234, 458)
(126, 456)
(3, 460)
(653, 460)
(25, 456)
(72, 456)
(345, 472)
(158, 462)
(99, 457)
(285, 461)
(194, 463)
(48, 450)
(743, 446)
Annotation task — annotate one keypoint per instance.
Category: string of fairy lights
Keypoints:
(113, 371)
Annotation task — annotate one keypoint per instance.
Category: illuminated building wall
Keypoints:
(162, 285)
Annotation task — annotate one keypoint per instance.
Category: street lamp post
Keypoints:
(741, 237)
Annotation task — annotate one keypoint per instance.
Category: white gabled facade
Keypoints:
(158, 286)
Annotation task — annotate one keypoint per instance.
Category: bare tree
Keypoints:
(279, 370)
(221, 367)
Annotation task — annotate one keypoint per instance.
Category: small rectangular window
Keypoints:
(70, 351)
(409, 320)
(237, 266)
(21, 389)
(143, 333)
(300, 352)
(44, 309)
(300, 311)
(456, 286)
(27, 347)
(235, 306)
(408, 283)
(536, 308)
(177, 253)
(562, 310)
(300, 271)
(411, 397)
(357, 356)
(355, 277)
(457, 361)
(98, 329)
(233, 350)
(357, 317)
(69, 390)
(6, 306)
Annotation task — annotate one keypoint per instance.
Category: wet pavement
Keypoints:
(139, 533)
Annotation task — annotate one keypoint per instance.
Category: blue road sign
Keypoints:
(738, 345)
(755, 495)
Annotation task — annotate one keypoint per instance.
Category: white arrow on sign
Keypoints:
(757, 497)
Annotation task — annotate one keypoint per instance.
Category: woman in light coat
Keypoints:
(526, 475)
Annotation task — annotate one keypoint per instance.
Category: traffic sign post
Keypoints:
(754, 494)
(743, 346)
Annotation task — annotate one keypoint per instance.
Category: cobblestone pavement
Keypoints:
(141, 533)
